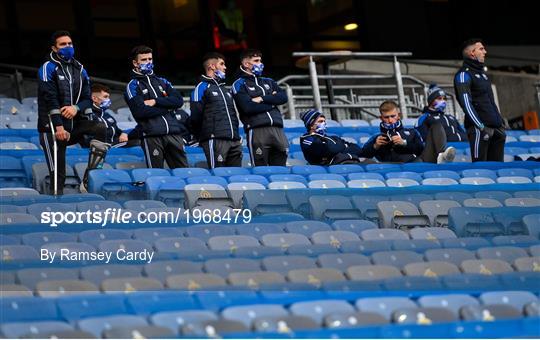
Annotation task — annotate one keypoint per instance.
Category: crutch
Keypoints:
(55, 158)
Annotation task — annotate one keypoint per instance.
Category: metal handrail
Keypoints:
(315, 78)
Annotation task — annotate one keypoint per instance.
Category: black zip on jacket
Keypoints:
(60, 84)
(253, 114)
(212, 111)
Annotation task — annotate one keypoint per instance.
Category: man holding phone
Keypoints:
(398, 144)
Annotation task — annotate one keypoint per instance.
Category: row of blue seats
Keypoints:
(162, 308)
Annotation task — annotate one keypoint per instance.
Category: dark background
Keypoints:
(180, 31)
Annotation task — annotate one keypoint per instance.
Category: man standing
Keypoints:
(398, 144)
(156, 107)
(483, 120)
(63, 95)
(213, 116)
(256, 99)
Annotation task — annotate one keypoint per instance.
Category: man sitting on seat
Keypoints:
(319, 148)
(401, 145)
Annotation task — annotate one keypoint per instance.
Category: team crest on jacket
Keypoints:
(258, 151)
(266, 86)
(214, 93)
(156, 152)
(61, 77)
(406, 133)
(220, 158)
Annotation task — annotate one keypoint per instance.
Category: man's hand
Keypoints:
(61, 134)
(68, 112)
(257, 100)
(380, 141)
(123, 137)
(397, 140)
(150, 102)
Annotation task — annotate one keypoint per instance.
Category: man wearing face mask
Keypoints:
(483, 121)
(434, 113)
(398, 144)
(63, 96)
(156, 106)
(256, 99)
(213, 117)
(319, 148)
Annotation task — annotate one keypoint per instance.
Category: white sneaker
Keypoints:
(447, 156)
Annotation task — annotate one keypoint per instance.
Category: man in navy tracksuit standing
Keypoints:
(63, 96)
(398, 144)
(320, 148)
(483, 121)
(434, 113)
(257, 99)
(156, 107)
(213, 117)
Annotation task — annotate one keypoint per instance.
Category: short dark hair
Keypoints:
(141, 49)
(58, 34)
(250, 53)
(98, 87)
(387, 106)
(470, 42)
(211, 55)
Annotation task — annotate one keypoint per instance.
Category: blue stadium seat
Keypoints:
(396, 258)
(365, 175)
(452, 255)
(249, 178)
(259, 229)
(471, 243)
(98, 273)
(205, 232)
(97, 205)
(184, 173)
(442, 174)
(127, 245)
(167, 189)
(345, 169)
(207, 180)
(151, 235)
(516, 299)
(288, 178)
(479, 173)
(270, 170)
(306, 170)
(334, 177)
(113, 184)
(27, 309)
(317, 310)
(356, 226)
(384, 306)
(31, 329)
(141, 175)
(405, 174)
(307, 227)
(38, 208)
(18, 252)
(30, 277)
(266, 201)
(36, 240)
(332, 207)
(230, 171)
(473, 222)
(97, 325)
(96, 236)
(179, 244)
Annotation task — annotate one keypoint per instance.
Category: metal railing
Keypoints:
(327, 56)
(537, 86)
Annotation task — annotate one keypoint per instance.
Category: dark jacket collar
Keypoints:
(206, 79)
(242, 73)
(474, 64)
(137, 74)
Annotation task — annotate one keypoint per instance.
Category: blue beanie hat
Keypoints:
(435, 92)
(310, 116)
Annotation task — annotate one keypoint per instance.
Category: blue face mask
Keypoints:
(66, 53)
(105, 104)
(440, 106)
(391, 126)
(321, 128)
(220, 74)
(147, 68)
(257, 69)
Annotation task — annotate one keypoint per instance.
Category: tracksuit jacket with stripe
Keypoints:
(263, 114)
(165, 117)
(474, 93)
(212, 111)
(61, 83)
